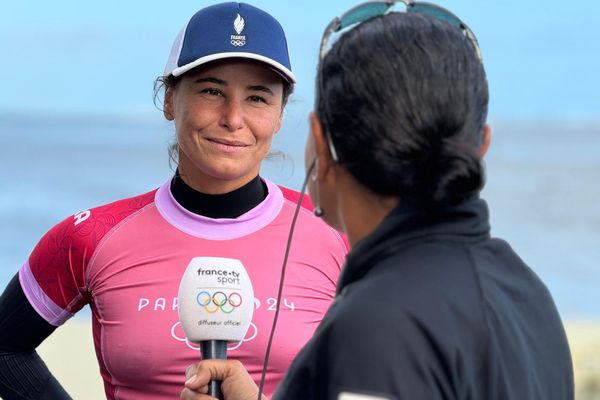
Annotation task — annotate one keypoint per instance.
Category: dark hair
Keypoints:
(404, 99)
(162, 83)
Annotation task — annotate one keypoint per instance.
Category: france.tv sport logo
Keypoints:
(213, 302)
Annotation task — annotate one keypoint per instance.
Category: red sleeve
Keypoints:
(56, 268)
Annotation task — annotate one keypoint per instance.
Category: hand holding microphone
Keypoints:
(239, 384)
(216, 303)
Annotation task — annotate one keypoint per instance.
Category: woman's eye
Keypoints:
(257, 99)
(212, 92)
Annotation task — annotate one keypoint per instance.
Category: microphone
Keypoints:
(216, 303)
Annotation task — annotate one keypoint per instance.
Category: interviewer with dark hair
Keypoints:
(429, 305)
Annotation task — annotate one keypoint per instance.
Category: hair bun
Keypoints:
(458, 173)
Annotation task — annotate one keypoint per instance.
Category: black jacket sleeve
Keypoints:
(23, 374)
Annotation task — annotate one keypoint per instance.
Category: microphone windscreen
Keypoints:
(215, 300)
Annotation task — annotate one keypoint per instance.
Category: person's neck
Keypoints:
(361, 210)
(224, 205)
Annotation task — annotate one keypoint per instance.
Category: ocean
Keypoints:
(542, 186)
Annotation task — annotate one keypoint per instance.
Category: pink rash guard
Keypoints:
(125, 260)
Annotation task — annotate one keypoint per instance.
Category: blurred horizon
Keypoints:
(542, 199)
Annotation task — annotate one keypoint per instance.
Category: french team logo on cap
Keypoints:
(238, 24)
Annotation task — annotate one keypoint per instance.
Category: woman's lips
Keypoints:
(227, 145)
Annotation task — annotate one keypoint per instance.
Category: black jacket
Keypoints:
(430, 307)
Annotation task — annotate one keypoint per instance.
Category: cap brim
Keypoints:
(281, 69)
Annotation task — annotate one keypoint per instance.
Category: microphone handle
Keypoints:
(210, 350)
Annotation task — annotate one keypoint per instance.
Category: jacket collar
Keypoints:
(468, 220)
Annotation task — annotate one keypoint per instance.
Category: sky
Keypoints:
(77, 57)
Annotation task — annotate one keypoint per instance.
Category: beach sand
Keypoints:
(69, 353)
(584, 340)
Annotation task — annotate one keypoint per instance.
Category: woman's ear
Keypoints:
(485, 140)
(322, 154)
(168, 105)
(278, 123)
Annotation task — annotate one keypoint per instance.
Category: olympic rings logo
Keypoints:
(238, 43)
(219, 301)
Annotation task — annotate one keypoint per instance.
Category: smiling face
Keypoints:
(225, 117)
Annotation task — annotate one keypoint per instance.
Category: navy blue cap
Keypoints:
(230, 30)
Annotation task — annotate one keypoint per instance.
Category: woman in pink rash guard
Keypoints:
(226, 83)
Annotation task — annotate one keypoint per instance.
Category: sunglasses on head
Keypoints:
(372, 9)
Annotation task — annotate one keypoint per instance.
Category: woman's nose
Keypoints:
(232, 117)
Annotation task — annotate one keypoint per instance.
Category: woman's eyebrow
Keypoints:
(211, 80)
(260, 88)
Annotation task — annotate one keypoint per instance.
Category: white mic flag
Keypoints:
(216, 300)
